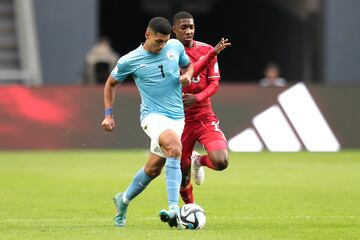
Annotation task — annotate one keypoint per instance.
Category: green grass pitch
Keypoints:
(68, 195)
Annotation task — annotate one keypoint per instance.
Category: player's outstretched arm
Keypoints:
(204, 62)
(109, 97)
(213, 82)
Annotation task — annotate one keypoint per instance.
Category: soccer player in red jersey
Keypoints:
(201, 124)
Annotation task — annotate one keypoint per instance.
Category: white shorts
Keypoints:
(154, 124)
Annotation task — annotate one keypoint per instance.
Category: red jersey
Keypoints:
(205, 84)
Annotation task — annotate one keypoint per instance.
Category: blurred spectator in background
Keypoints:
(272, 76)
(100, 60)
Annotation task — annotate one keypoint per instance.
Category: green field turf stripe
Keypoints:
(156, 218)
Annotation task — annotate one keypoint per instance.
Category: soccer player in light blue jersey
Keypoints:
(155, 67)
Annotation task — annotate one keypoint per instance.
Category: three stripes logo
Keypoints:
(294, 124)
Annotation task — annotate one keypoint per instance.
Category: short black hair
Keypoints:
(181, 15)
(272, 65)
(160, 25)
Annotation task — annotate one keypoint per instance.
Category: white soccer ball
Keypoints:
(191, 216)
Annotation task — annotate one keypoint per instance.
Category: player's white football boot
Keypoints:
(197, 171)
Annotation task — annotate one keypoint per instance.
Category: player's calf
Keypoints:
(186, 193)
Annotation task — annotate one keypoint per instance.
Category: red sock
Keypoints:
(205, 161)
(187, 194)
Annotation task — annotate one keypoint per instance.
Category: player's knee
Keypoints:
(173, 150)
(152, 172)
(221, 162)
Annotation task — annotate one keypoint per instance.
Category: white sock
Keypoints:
(125, 200)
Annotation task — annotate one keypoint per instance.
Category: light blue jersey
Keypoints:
(156, 77)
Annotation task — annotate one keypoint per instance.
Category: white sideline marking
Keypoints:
(29, 220)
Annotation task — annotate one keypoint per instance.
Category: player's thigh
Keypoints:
(188, 140)
(170, 143)
(211, 136)
(156, 124)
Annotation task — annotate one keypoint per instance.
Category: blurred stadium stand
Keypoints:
(19, 61)
(9, 54)
(45, 42)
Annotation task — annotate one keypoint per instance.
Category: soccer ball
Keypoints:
(191, 216)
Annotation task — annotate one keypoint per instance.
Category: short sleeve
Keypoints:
(121, 70)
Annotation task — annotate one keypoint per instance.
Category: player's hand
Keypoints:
(108, 123)
(188, 99)
(185, 80)
(224, 43)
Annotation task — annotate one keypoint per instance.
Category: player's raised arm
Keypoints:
(204, 62)
(109, 97)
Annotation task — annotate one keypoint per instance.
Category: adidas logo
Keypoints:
(292, 125)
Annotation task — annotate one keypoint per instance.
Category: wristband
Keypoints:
(108, 112)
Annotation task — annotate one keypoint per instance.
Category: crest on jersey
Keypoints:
(170, 55)
(196, 79)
